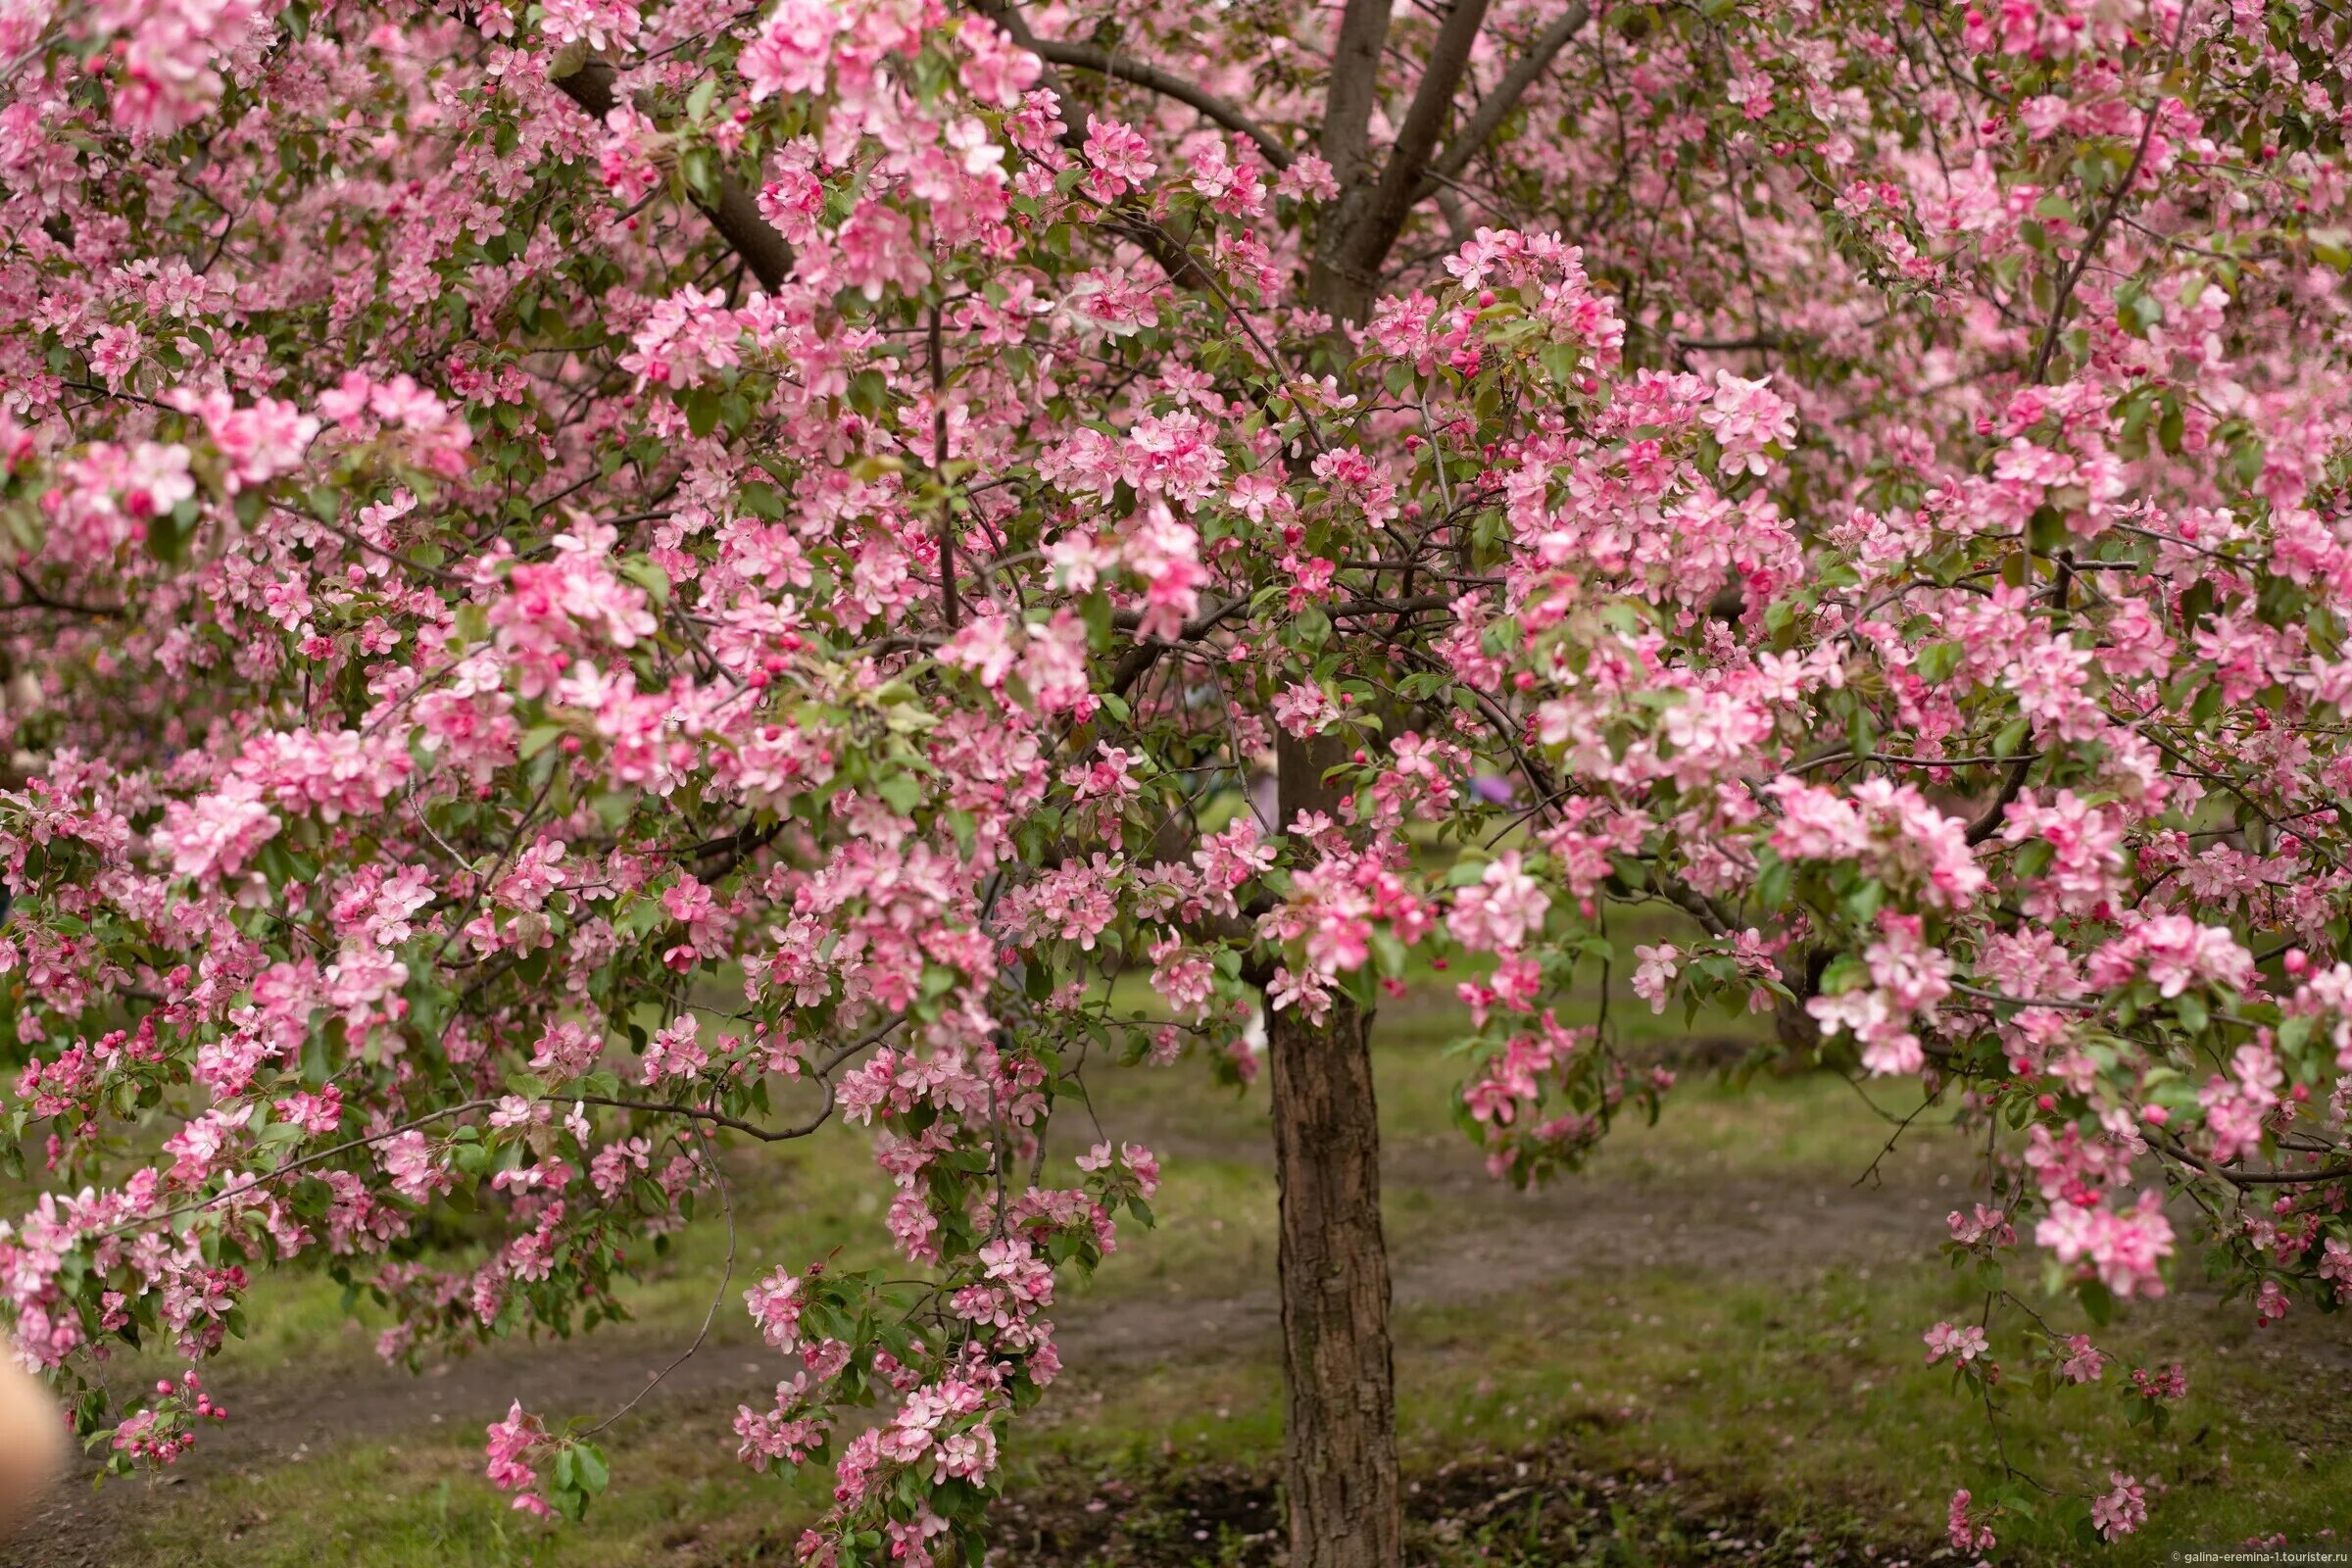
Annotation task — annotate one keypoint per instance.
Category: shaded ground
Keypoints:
(1536, 1505)
(1495, 1242)
(1460, 1240)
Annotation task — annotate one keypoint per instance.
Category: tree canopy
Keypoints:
(594, 578)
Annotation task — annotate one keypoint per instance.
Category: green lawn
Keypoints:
(1810, 1407)
(1775, 1389)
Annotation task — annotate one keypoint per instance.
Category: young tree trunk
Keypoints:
(1340, 1429)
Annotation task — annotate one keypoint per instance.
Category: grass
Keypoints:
(811, 1197)
(1806, 1411)
(1661, 1410)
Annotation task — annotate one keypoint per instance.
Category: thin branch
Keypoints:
(2098, 230)
(766, 1135)
(255, 1183)
(950, 602)
(726, 1276)
(2242, 1179)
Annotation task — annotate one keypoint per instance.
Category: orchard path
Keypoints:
(1502, 1242)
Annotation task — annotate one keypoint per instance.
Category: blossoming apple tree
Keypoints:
(592, 579)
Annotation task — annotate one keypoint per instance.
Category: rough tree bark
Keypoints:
(1338, 1372)
(1339, 1368)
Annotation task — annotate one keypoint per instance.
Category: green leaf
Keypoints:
(2197, 600)
(1936, 660)
(1560, 362)
(2295, 1032)
(868, 390)
(648, 575)
(2034, 858)
(2097, 1302)
(705, 173)
(901, 790)
(761, 499)
(168, 538)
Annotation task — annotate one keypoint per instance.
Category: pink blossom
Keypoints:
(792, 49)
(2122, 1509)
(1963, 1344)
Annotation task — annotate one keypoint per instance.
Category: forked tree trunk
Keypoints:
(1338, 1371)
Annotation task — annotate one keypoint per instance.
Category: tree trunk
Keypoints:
(1340, 1429)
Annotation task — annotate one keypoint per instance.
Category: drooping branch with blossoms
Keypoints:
(593, 579)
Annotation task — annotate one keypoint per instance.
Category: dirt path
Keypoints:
(1493, 1241)
(1504, 1241)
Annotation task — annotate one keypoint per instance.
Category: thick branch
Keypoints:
(735, 215)
(1376, 229)
(1344, 273)
(1085, 57)
(1137, 227)
(1136, 661)
(1354, 88)
(1498, 104)
(34, 598)
(1988, 821)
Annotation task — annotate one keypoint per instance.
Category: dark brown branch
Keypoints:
(732, 849)
(726, 1276)
(1498, 104)
(2174, 1150)
(1371, 236)
(1138, 660)
(736, 212)
(2099, 231)
(1137, 226)
(240, 1186)
(1416, 604)
(1354, 88)
(1725, 345)
(766, 1135)
(2013, 783)
(34, 598)
(950, 602)
(1989, 821)
(1085, 57)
